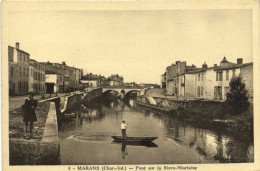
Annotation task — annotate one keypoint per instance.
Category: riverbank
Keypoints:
(206, 112)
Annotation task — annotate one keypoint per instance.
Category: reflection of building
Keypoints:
(54, 82)
(18, 70)
(36, 77)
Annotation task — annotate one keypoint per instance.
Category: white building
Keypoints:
(53, 82)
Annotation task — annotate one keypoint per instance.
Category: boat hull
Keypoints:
(134, 139)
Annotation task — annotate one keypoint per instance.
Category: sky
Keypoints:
(138, 45)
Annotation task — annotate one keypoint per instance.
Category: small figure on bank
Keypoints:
(123, 128)
(29, 115)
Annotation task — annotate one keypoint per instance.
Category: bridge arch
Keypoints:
(110, 90)
(127, 94)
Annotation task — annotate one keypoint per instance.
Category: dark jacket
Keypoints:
(28, 110)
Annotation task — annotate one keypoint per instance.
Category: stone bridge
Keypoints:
(127, 90)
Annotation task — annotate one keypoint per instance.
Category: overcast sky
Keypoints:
(136, 44)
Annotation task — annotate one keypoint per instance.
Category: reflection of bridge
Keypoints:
(118, 89)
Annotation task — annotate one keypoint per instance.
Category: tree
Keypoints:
(237, 96)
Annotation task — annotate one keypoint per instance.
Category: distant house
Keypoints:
(210, 83)
(116, 80)
(226, 71)
(36, 77)
(54, 82)
(163, 80)
(94, 82)
(175, 78)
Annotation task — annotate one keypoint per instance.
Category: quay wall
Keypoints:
(34, 151)
(72, 102)
(92, 94)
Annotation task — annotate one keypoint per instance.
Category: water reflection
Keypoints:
(96, 122)
(124, 152)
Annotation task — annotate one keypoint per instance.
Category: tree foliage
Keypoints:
(237, 96)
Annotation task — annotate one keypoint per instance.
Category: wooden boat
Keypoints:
(137, 143)
(133, 139)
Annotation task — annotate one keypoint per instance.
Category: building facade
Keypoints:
(207, 83)
(226, 71)
(116, 80)
(36, 77)
(18, 70)
(163, 80)
(54, 82)
(175, 78)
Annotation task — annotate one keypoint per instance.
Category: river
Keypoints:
(87, 139)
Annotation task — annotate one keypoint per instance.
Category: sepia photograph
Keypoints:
(119, 87)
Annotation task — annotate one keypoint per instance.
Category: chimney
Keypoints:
(63, 63)
(204, 66)
(17, 45)
(215, 65)
(239, 60)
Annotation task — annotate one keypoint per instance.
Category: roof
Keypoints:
(89, 79)
(164, 74)
(50, 72)
(20, 50)
(234, 66)
(86, 81)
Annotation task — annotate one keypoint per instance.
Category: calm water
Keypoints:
(87, 139)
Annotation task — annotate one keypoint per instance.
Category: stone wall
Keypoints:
(92, 94)
(72, 102)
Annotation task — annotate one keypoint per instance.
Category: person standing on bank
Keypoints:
(123, 128)
(29, 115)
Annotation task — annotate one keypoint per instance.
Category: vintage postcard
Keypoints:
(130, 85)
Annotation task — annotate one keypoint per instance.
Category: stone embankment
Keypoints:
(210, 113)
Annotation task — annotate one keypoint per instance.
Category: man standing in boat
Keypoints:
(123, 128)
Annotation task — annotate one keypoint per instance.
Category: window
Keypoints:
(24, 57)
(219, 76)
(233, 72)
(226, 91)
(27, 72)
(12, 71)
(227, 75)
(20, 71)
(201, 90)
(23, 71)
(198, 91)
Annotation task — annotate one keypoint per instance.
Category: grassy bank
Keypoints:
(16, 124)
(219, 113)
